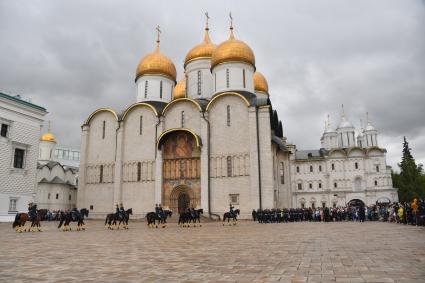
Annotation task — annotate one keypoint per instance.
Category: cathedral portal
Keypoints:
(181, 171)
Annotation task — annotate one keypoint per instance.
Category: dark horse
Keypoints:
(21, 218)
(229, 215)
(111, 219)
(152, 217)
(190, 216)
(73, 216)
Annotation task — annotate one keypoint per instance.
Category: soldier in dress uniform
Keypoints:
(32, 211)
(122, 211)
(231, 209)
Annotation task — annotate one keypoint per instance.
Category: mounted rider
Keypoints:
(75, 214)
(231, 207)
(121, 211)
(32, 211)
(159, 211)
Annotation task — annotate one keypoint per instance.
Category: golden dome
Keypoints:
(180, 89)
(202, 50)
(48, 137)
(232, 50)
(156, 63)
(260, 83)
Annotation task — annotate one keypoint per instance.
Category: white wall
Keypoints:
(153, 88)
(192, 69)
(219, 74)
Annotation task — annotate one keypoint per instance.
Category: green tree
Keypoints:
(410, 181)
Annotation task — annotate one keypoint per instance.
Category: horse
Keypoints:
(43, 214)
(233, 216)
(21, 218)
(187, 217)
(66, 218)
(111, 219)
(152, 217)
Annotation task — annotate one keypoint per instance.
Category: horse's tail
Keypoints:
(61, 222)
(16, 222)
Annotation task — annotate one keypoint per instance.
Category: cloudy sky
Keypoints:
(73, 57)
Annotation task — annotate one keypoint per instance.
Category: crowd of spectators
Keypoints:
(405, 213)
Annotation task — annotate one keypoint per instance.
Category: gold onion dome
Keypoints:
(232, 50)
(260, 83)
(156, 63)
(49, 137)
(203, 50)
(180, 89)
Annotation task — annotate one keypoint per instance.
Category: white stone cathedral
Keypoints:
(212, 139)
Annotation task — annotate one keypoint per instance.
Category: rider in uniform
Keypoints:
(122, 210)
(231, 210)
(32, 211)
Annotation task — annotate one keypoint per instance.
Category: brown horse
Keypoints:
(21, 219)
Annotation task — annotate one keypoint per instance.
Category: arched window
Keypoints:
(320, 168)
(182, 119)
(48, 196)
(101, 174)
(333, 166)
(298, 169)
(243, 78)
(139, 171)
(229, 166)
(376, 183)
(357, 184)
(282, 173)
(57, 196)
(335, 185)
(160, 89)
(228, 115)
(311, 168)
(146, 89)
(227, 78)
(103, 129)
(199, 82)
(356, 165)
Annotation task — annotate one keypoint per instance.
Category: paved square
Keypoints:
(249, 252)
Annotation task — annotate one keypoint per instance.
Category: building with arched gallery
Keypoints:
(213, 138)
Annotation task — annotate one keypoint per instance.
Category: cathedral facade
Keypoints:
(209, 140)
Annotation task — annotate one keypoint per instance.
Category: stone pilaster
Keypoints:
(204, 164)
(118, 167)
(81, 198)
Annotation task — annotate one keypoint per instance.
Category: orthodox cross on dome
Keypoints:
(343, 112)
(232, 36)
(367, 117)
(206, 20)
(158, 30)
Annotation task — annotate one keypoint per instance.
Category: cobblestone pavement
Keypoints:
(248, 252)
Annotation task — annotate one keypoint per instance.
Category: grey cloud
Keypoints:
(76, 56)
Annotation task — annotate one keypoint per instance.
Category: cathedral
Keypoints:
(213, 139)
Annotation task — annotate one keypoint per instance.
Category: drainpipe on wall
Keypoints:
(259, 159)
(208, 166)
(156, 134)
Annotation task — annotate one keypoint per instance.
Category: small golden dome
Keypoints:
(180, 89)
(202, 50)
(260, 83)
(48, 137)
(156, 63)
(232, 50)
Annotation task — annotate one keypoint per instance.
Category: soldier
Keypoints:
(231, 209)
(122, 211)
(117, 210)
(32, 211)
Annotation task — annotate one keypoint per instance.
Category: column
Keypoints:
(118, 166)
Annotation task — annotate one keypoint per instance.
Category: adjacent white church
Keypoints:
(212, 139)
